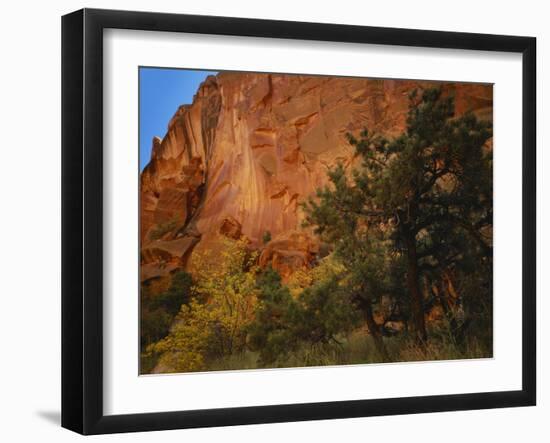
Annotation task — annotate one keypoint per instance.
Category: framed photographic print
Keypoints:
(271, 221)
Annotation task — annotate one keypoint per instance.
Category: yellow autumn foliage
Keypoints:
(303, 278)
(213, 324)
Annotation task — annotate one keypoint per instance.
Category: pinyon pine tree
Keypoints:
(421, 203)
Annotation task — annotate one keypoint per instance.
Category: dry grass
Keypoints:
(358, 348)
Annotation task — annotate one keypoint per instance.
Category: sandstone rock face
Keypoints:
(288, 252)
(231, 228)
(239, 160)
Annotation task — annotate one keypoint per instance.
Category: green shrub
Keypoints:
(158, 311)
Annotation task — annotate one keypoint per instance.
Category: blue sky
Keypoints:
(161, 92)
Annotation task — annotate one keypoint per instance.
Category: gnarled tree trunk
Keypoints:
(417, 304)
(374, 330)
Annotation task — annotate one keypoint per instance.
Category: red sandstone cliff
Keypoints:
(251, 147)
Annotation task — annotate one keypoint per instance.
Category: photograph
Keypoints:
(295, 220)
(275, 222)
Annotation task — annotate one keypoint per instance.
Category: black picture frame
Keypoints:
(82, 218)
